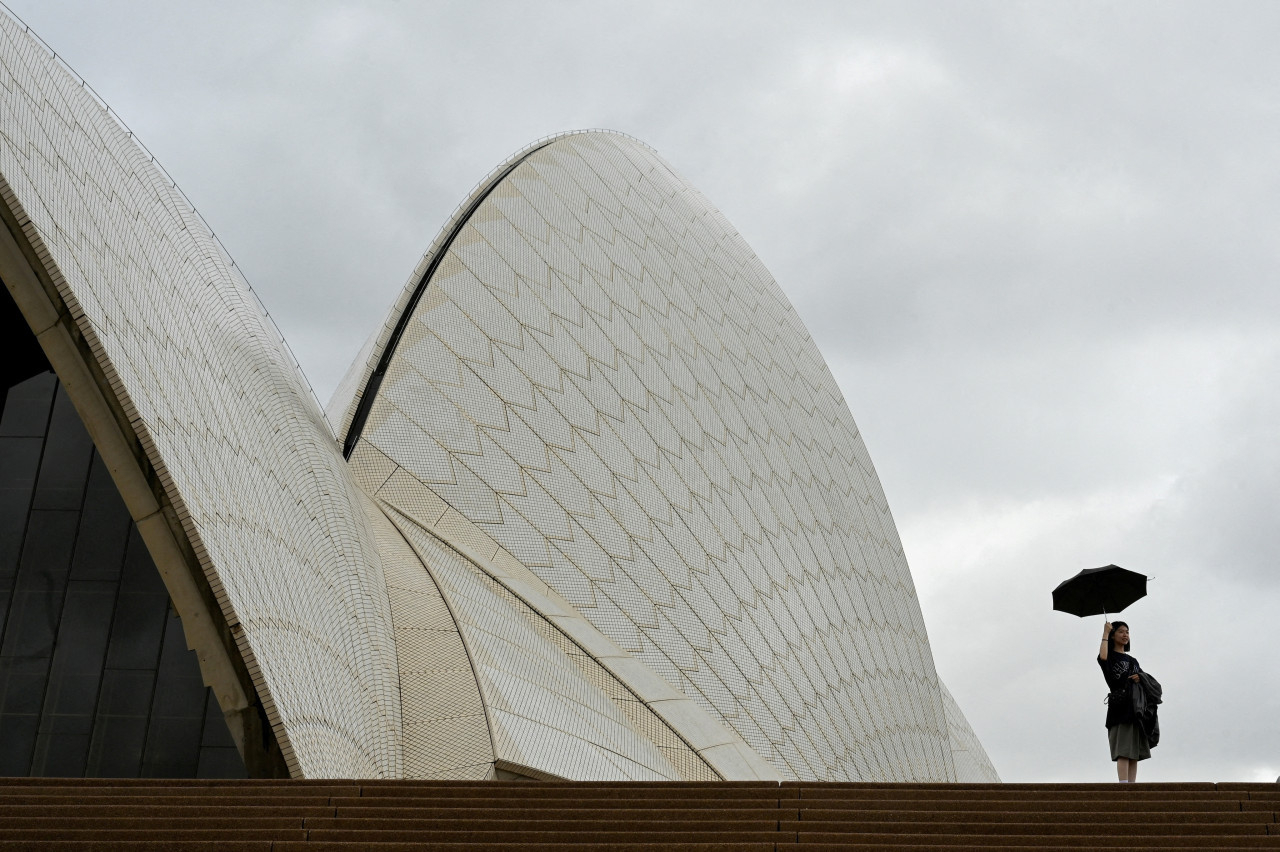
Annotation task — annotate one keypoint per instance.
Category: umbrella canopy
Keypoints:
(1097, 591)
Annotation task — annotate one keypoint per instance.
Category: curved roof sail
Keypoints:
(595, 372)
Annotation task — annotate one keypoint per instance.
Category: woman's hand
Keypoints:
(1106, 631)
(1133, 678)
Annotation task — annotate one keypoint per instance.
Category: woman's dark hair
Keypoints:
(1116, 625)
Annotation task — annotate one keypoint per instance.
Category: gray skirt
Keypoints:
(1128, 741)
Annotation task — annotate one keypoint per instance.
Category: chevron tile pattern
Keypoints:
(602, 377)
(543, 711)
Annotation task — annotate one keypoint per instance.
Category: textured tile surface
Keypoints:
(972, 763)
(227, 421)
(601, 376)
(446, 732)
(546, 710)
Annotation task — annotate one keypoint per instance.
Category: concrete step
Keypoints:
(363, 846)
(62, 791)
(1093, 840)
(1054, 818)
(178, 811)
(522, 836)
(106, 802)
(432, 825)
(1092, 827)
(958, 847)
(111, 821)
(158, 834)
(391, 816)
(599, 813)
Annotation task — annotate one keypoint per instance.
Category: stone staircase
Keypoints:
(531, 816)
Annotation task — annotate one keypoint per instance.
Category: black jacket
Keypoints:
(1117, 669)
(1144, 698)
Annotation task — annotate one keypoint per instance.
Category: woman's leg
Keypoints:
(1122, 768)
(1133, 771)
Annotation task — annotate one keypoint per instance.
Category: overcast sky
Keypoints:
(1037, 244)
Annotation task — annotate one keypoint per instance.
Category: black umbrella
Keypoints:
(1098, 591)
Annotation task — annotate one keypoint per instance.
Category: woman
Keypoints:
(1128, 742)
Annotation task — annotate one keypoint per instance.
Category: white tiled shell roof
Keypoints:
(601, 376)
(239, 443)
(608, 516)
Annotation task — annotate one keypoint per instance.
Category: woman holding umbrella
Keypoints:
(1128, 742)
(1098, 591)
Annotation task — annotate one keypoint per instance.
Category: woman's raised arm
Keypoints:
(1106, 641)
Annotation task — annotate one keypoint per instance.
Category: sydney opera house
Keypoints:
(589, 504)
